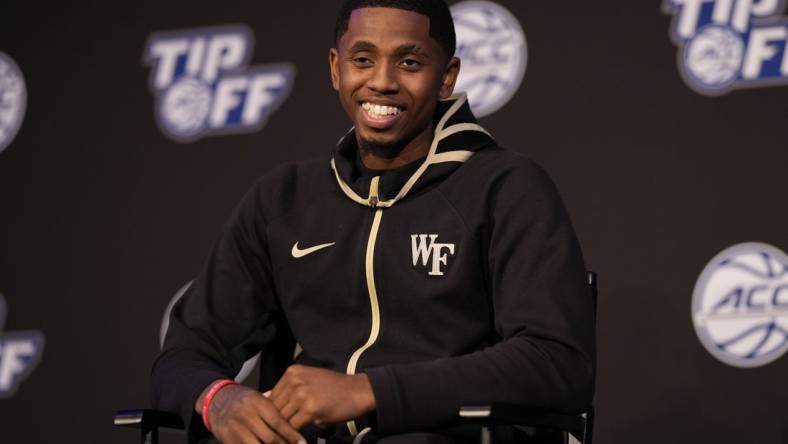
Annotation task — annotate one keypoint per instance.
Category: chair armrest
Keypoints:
(524, 416)
(147, 419)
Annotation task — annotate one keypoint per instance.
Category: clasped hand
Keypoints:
(304, 395)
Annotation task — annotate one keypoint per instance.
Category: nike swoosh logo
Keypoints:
(297, 252)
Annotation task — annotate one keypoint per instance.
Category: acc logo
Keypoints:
(248, 366)
(729, 44)
(740, 305)
(204, 86)
(13, 100)
(20, 353)
(494, 53)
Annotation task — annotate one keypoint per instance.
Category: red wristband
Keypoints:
(206, 403)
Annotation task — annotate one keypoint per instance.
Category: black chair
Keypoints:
(535, 425)
(148, 422)
(539, 425)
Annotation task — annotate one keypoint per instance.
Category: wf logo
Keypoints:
(430, 253)
(20, 353)
(729, 44)
(204, 86)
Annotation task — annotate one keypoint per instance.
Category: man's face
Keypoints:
(390, 75)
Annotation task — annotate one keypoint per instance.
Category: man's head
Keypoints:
(393, 62)
(441, 22)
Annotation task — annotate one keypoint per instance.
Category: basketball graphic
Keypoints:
(13, 100)
(714, 56)
(185, 107)
(491, 44)
(740, 305)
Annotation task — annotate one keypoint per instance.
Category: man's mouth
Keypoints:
(380, 112)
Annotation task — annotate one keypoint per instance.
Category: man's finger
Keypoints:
(262, 433)
(276, 392)
(301, 419)
(289, 409)
(280, 395)
(245, 436)
(278, 424)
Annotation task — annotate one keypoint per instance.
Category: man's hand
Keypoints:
(307, 395)
(239, 414)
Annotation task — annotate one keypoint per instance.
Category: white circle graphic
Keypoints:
(740, 305)
(247, 367)
(713, 57)
(185, 107)
(13, 100)
(494, 53)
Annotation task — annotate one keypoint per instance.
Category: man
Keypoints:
(421, 268)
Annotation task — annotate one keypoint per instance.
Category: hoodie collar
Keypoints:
(457, 138)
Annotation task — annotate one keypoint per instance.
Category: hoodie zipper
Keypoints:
(369, 263)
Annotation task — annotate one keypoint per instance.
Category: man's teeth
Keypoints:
(380, 110)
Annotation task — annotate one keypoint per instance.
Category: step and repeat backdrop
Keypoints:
(129, 131)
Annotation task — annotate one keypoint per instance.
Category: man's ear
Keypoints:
(450, 78)
(333, 64)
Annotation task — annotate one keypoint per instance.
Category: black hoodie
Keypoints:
(461, 282)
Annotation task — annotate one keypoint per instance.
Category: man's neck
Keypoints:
(414, 150)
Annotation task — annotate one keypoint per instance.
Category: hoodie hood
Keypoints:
(457, 138)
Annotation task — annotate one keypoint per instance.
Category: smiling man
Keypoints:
(421, 267)
(390, 74)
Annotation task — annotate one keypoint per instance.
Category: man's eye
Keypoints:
(410, 63)
(362, 60)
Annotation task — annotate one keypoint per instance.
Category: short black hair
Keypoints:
(441, 22)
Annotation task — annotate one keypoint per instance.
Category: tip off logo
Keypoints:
(740, 305)
(13, 100)
(20, 353)
(491, 44)
(729, 44)
(204, 86)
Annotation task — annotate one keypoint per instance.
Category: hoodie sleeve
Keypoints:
(544, 317)
(225, 317)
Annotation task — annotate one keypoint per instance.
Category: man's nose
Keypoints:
(384, 79)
